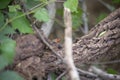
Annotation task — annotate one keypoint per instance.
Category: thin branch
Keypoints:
(68, 46)
(107, 62)
(37, 6)
(61, 75)
(46, 43)
(104, 75)
(87, 74)
(42, 4)
(84, 16)
(82, 30)
(109, 7)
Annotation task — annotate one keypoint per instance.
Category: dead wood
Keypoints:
(102, 43)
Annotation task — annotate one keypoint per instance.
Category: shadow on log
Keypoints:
(34, 59)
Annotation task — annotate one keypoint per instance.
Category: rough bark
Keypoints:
(102, 43)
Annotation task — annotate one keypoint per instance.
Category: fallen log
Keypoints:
(34, 59)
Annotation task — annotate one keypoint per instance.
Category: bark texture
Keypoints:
(102, 43)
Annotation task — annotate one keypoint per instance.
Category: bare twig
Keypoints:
(46, 43)
(87, 74)
(61, 75)
(109, 7)
(82, 30)
(37, 6)
(104, 75)
(105, 62)
(109, 62)
(84, 16)
(68, 46)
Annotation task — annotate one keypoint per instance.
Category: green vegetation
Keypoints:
(13, 20)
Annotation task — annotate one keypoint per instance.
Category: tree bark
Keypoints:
(102, 43)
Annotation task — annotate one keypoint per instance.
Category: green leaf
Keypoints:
(4, 3)
(3, 62)
(77, 19)
(14, 8)
(1, 19)
(7, 49)
(10, 75)
(111, 71)
(72, 5)
(22, 24)
(42, 15)
(7, 30)
(3, 37)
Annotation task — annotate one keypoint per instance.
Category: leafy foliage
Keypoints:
(8, 75)
(77, 19)
(1, 19)
(7, 53)
(14, 8)
(7, 30)
(116, 1)
(76, 13)
(18, 21)
(42, 15)
(7, 46)
(4, 3)
(3, 62)
(111, 71)
(7, 50)
(21, 23)
(72, 5)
